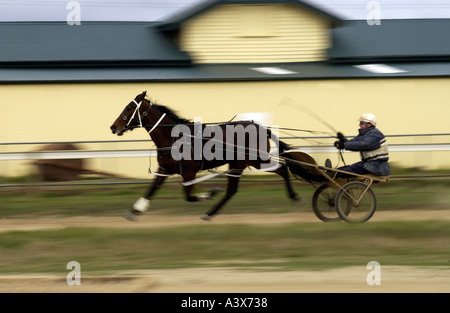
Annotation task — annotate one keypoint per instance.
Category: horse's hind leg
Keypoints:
(284, 172)
(233, 182)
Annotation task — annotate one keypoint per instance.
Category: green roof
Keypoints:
(91, 44)
(393, 40)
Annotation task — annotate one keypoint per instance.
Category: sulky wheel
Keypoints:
(355, 202)
(323, 203)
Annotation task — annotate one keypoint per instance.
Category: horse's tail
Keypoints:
(282, 146)
(294, 167)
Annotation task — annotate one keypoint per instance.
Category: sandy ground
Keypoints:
(226, 280)
(350, 279)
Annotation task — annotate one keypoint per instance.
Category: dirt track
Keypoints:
(350, 279)
(151, 220)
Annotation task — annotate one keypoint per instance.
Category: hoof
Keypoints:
(208, 195)
(205, 217)
(128, 215)
(215, 191)
(297, 198)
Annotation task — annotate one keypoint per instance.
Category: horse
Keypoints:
(176, 154)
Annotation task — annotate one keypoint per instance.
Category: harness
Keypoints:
(136, 110)
(200, 163)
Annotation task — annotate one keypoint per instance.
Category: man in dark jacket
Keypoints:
(372, 146)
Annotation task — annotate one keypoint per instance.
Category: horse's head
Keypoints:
(131, 116)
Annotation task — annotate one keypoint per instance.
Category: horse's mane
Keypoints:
(171, 114)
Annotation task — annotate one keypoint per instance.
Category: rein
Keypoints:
(157, 123)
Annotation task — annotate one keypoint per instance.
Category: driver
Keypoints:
(372, 146)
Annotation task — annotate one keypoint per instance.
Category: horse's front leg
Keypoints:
(143, 203)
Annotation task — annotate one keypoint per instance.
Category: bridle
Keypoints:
(144, 114)
(140, 117)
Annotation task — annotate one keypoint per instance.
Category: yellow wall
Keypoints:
(69, 112)
(256, 33)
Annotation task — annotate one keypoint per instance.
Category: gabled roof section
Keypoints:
(90, 44)
(392, 41)
(174, 22)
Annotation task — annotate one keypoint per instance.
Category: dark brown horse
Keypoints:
(182, 150)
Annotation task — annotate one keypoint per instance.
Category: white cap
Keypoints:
(369, 118)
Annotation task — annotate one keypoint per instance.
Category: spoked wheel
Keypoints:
(323, 203)
(355, 202)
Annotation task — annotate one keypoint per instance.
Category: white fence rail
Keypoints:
(50, 155)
